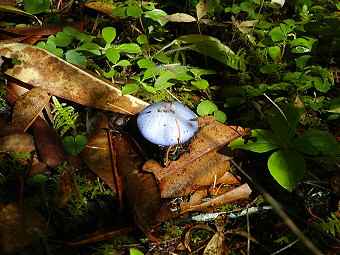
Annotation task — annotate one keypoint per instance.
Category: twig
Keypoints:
(280, 212)
(285, 248)
(276, 106)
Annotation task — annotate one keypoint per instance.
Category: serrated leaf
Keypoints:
(109, 34)
(129, 48)
(130, 88)
(206, 107)
(180, 17)
(287, 168)
(261, 141)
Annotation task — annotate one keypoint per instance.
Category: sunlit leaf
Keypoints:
(206, 107)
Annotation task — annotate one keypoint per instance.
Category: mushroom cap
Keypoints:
(167, 123)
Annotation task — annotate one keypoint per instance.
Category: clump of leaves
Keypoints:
(331, 225)
(287, 163)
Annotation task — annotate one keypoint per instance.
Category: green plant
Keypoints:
(331, 225)
(64, 117)
(73, 145)
(287, 163)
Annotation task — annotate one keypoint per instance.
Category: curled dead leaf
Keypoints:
(28, 107)
(40, 68)
(18, 142)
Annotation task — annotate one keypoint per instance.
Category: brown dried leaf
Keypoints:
(180, 17)
(18, 142)
(202, 8)
(19, 227)
(28, 107)
(216, 245)
(241, 192)
(48, 143)
(201, 166)
(40, 68)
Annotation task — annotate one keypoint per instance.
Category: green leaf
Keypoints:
(163, 58)
(198, 72)
(134, 11)
(90, 47)
(112, 55)
(145, 63)
(51, 47)
(129, 48)
(162, 80)
(75, 57)
(110, 73)
(135, 251)
(220, 116)
(317, 142)
(214, 48)
(302, 45)
(261, 141)
(78, 35)
(270, 68)
(142, 39)
(119, 11)
(275, 52)
(287, 168)
(109, 34)
(200, 84)
(124, 63)
(334, 106)
(73, 145)
(206, 107)
(301, 62)
(130, 88)
(151, 72)
(156, 15)
(36, 6)
(61, 39)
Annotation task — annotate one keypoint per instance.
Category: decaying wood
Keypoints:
(39, 68)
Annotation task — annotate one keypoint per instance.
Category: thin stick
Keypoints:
(278, 209)
(276, 106)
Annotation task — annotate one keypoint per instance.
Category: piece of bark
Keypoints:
(40, 68)
(17, 142)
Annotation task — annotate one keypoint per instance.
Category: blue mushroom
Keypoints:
(167, 123)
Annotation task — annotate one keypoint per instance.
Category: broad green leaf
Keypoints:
(163, 58)
(287, 168)
(61, 39)
(78, 35)
(198, 72)
(112, 55)
(129, 48)
(334, 106)
(261, 141)
(90, 47)
(214, 48)
(119, 11)
(142, 39)
(206, 107)
(51, 47)
(301, 62)
(134, 11)
(130, 88)
(123, 63)
(156, 15)
(151, 72)
(302, 45)
(145, 63)
(135, 251)
(200, 84)
(162, 80)
(73, 145)
(109, 34)
(36, 6)
(275, 52)
(220, 116)
(149, 88)
(317, 142)
(110, 73)
(277, 34)
(270, 68)
(75, 57)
